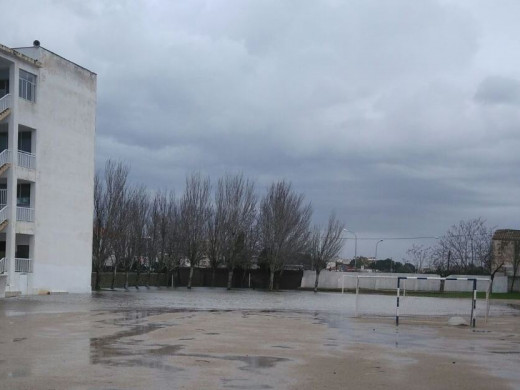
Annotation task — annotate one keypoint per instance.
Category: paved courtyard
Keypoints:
(214, 339)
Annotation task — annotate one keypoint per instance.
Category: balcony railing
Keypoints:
(4, 213)
(5, 157)
(3, 265)
(3, 198)
(5, 102)
(26, 160)
(23, 265)
(24, 214)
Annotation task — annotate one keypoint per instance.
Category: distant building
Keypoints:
(47, 134)
(503, 246)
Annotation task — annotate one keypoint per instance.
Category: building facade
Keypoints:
(47, 135)
(506, 250)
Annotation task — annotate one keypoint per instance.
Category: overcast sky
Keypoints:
(402, 116)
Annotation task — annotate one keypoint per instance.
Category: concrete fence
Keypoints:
(388, 281)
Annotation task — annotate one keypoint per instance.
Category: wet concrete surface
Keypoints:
(237, 340)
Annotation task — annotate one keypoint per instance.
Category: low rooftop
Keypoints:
(507, 235)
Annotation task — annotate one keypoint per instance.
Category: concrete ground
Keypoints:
(98, 347)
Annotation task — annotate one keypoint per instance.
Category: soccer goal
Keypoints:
(373, 292)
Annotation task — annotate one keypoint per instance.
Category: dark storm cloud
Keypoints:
(402, 116)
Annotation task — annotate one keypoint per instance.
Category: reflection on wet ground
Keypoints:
(156, 300)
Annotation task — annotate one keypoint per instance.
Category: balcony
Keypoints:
(23, 265)
(24, 214)
(26, 160)
(20, 265)
(4, 216)
(5, 160)
(5, 106)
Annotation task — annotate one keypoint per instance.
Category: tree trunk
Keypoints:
(114, 271)
(149, 276)
(190, 278)
(316, 281)
(158, 279)
(441, 288)
(514, 278)
(96, 285)
(126, 279)
(271, 280)
(230, 279)
(213, 277)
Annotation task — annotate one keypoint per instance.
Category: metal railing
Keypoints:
(5, 102)
(5, 157)
(23, 265)
(3, 198)
(24, 214)
(4, 213)
(26, 160)
(3, 265)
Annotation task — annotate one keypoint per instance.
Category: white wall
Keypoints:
(335, 280)
(64, 121)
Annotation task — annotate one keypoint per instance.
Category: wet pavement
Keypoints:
(241, 339)
(160, 300)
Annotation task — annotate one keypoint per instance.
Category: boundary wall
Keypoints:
(347, 280)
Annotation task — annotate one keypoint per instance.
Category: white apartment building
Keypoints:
(47, 135)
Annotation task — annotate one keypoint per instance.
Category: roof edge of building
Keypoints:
(23, 57)
(57, 55)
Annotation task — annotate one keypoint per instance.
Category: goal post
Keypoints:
(398, 282)
(473, 298)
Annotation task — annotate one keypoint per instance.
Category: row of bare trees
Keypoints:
(464, 249)
(229, 227)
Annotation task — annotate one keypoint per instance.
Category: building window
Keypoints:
(23, 195)
(24, 141)
(27, 86)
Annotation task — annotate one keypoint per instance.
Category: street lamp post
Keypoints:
(355, 246)
(377, 243)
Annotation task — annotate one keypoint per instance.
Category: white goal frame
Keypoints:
(403, 289)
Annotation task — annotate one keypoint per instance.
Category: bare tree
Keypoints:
(216, 222)
(109, 195)
(465, 248)
(419, 256)
(237, 197)
(173, 241)
(283, 226)
(194, 211)
(325, 246)
(158, 232)
(138, 212)
(100, 242)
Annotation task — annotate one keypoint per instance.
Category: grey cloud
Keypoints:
(368, 107)
(498, 90)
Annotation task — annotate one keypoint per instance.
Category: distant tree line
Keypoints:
(225, 225)
(464, 249)
(384, 265)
